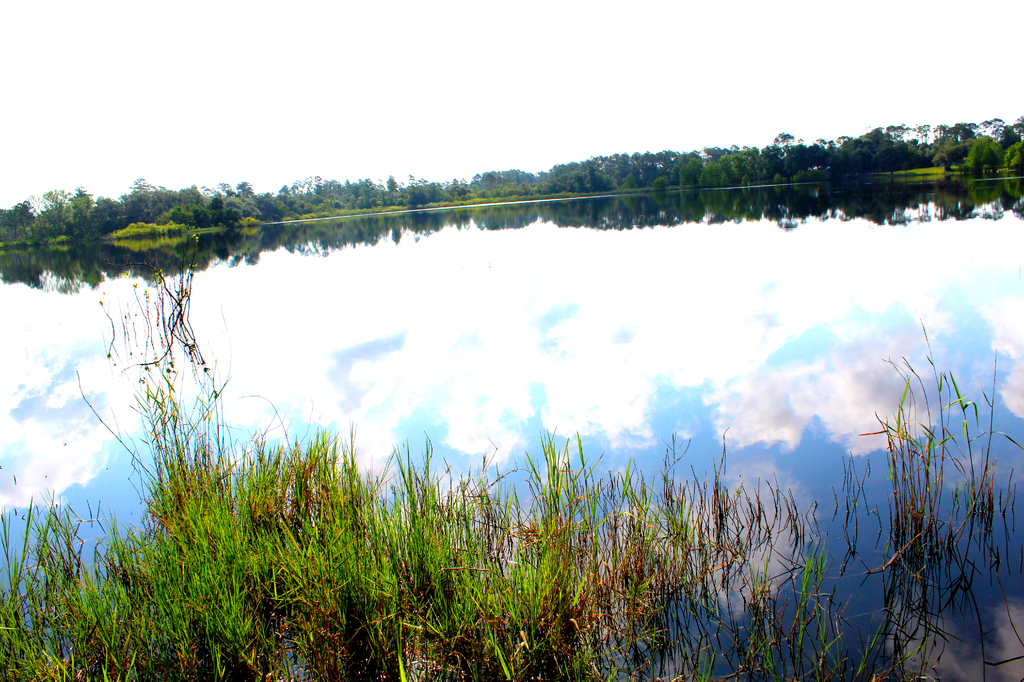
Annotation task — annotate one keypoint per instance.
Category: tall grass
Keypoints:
(292, 562)
(945, 502)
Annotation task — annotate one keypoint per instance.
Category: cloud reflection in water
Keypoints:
(599, 320)
(497, 335)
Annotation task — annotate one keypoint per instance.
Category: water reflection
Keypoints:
(52, 439)
(711, 320)
(350, 391)
(69, 267)
(1006, 318)
(483, 338)
(842, 387)
(1001, 655)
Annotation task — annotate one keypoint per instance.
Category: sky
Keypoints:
(97, 94)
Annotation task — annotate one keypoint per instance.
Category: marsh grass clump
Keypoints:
(293, 562)
(929, 515)
(947, 527)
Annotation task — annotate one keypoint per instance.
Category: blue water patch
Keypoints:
(804, 347)
(678, 422)
(113, 494)
(678, 409)
(117, 490)
(538, 397)
(339, 374)
(555, 316)
(421, 424)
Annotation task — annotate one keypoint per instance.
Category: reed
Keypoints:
(289, 561)
(946, 525)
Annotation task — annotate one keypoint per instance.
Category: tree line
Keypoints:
(983, 148)
(87, 263)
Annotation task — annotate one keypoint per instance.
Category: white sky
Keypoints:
(100, 93)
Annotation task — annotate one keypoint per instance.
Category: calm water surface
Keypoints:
(772, 323)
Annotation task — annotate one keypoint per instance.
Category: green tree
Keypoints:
(690, 174)
(81, 210)
(145, 202)
(458, 189)
(985, 156)
(55, 214)
(898, 133)
(1009, 137)
(192, 215)
(422, 192)
(108, 215)
(229, 216)
(784, 140)
(992, 128)
(951, 154)
(713, 175)
(961, 132)
(16, 221)
(1014, 158)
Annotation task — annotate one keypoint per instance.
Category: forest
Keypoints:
(986, 148)
(69, 267)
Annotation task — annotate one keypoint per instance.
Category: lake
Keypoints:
(777, 325)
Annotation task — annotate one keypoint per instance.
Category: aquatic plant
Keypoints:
(291, 561)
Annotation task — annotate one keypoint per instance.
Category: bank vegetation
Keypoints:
(989, 148)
